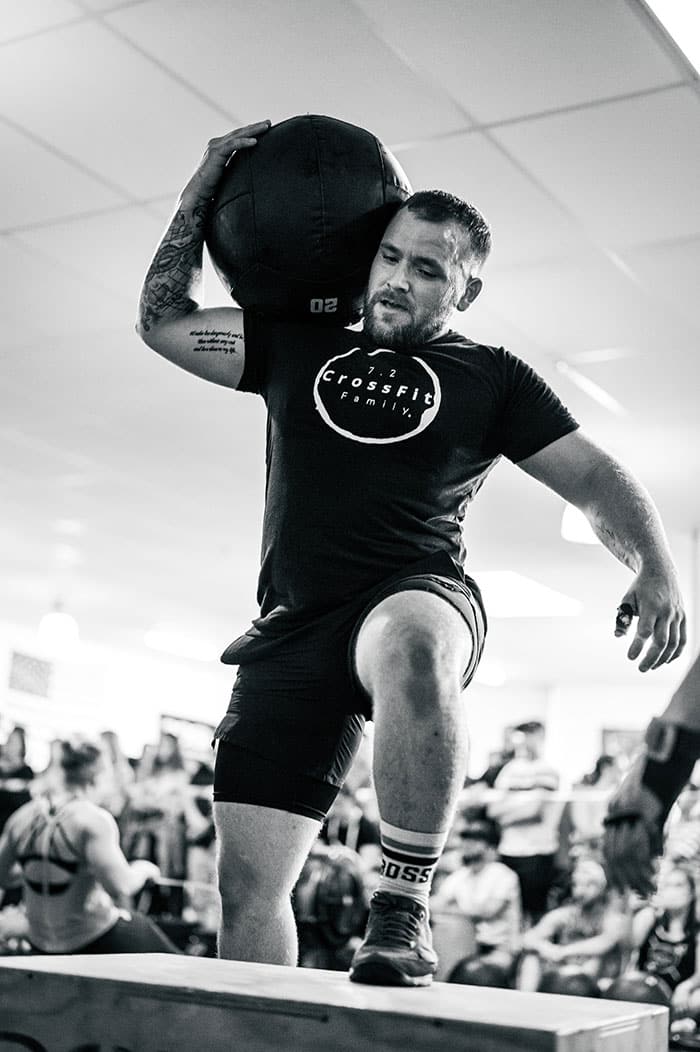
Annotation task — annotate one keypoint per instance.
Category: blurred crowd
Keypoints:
(520, 899)
(163, 808)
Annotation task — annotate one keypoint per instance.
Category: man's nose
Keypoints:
(399, 278)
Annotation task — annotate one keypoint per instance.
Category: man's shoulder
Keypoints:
(499, 871)
(459, 344)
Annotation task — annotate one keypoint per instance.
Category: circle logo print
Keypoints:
(377, 396)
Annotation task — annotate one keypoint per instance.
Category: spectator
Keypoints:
(665, 938)
(203, 893)
(587, 934)
(589, 804)
(116, 775)
(15, 788)
(15, 774)
(347, 823)
(154, 822)
(50, 779)
(683, 832)
(523, 804)
(74, 875)
(488, 894)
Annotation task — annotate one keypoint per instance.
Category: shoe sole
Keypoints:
(379, 973)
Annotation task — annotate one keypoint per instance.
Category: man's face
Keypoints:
(586, 886)
(474, 850)
(527, 744)
(420, 274)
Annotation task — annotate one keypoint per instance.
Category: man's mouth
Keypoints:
(391, 304)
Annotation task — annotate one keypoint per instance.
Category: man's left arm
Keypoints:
(624, 517)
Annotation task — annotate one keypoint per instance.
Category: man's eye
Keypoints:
(388, 257)
(426, 273)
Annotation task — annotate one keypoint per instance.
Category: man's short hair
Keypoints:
(530, 727)
(438, 206)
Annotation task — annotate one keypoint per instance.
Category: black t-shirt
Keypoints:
(374, 455)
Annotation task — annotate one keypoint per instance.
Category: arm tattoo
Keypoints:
(176, 267)
(223, 341)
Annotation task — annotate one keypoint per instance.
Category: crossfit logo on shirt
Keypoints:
(377, 396)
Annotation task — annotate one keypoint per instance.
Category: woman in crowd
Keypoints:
(665, 939)
(65, 850)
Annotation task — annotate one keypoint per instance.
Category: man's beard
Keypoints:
(398, 335)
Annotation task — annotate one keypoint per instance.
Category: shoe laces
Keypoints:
(394, 923)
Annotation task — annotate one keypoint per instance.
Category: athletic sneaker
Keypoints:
(397, 949)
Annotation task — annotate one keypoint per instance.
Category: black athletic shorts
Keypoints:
(132, 933)
(296, 715)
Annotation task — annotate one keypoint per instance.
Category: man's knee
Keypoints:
(413, 637)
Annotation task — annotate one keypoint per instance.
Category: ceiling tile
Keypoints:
(627, 170)
(276, 59)
(526, 225)
(581, 304)
(40, 299)
(506, 58)
(86, 92)
(38, 186)
(33, 16)
(671, 274)
(112, 251)
(105, 6)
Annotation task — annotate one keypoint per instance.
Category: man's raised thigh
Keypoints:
(413, 620)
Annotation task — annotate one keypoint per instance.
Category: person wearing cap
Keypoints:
(585, 935)
(488, 894)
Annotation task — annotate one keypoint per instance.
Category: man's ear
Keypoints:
(474, 287)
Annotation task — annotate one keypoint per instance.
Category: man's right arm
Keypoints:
(205, 341)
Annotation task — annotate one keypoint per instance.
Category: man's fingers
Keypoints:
(655, 650)
(668, 653)
(682, 638)
(247, 132)
(645, 628)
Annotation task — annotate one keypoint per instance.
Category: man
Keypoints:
(376, 443)
(488, 893)
(73, 873)
(587, 933)
(523, 804)
(638, 811)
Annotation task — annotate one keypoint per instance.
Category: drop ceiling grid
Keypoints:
(29, 17)
(40, 298)
(40, 186)
(627, 170)
(88, 94)
(527, 224)
(275, 60)
(111, 251)
(582, 303)
(507, 59)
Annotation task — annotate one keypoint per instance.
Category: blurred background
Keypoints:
(131, 493)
